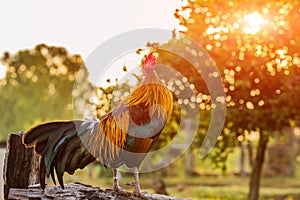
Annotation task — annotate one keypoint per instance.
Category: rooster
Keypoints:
(123, 136)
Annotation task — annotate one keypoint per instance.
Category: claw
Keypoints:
(139, 194)
(119, 190)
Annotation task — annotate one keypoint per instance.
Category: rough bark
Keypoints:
(257, 167)
(20, 165)
(76, 191)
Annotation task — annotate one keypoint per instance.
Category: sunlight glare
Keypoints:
(253, 21)
(2, 71)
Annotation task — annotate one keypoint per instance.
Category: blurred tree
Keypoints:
(256, 48)
(38, 87)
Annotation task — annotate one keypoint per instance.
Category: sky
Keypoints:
(80, 26)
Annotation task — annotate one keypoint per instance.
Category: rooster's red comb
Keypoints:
(149, 62)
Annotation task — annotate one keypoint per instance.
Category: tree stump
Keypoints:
(21, 165)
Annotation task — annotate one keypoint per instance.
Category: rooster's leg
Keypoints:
(137, 187)
(116, 186)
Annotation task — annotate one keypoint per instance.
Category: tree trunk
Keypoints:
(189, 163)
(21, 165)
(257, 167)
(242, 161)
(250, 153)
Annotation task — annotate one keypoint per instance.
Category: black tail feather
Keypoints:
(52, 175)
(60, 147)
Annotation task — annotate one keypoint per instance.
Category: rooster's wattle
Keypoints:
(122, 136)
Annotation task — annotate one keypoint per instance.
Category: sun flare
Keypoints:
(253, 22)
(2, 71)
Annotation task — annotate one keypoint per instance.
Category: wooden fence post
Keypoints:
(21, 165)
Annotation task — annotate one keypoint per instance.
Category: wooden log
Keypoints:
(21, 165)
(77, 191)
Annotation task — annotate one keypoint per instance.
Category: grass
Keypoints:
(201, 187)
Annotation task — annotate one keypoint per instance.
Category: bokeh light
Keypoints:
(253, 22)
(2, 71)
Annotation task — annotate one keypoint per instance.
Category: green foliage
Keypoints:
(37, 87)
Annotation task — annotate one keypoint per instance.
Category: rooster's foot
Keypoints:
(138, 193)
(117, 189)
